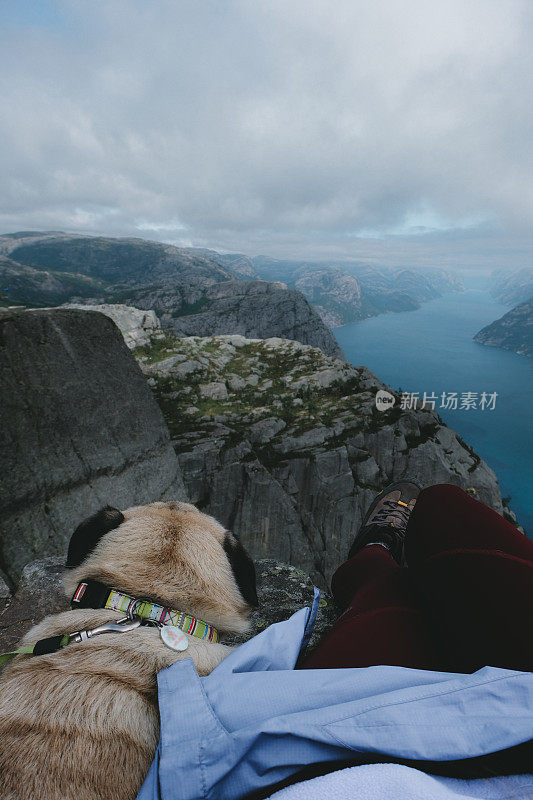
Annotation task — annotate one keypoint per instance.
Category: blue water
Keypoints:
(431, 350)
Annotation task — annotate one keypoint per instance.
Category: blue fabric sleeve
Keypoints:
(193, 744)
(275, 648)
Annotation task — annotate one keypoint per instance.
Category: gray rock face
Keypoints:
(39, 593)
(136, 326)
(292, 467)
(80, 429)
(282, 590)
(254, 309)
(513, 331)
(5, 591)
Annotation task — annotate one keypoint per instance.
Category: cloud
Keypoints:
(287, 128)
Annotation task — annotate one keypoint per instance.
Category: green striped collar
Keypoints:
(149, 612)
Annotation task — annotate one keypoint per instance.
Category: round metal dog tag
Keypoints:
(173, 637)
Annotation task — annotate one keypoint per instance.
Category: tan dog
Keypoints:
(82, 723)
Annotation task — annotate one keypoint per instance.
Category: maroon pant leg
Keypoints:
(475, 572)
(383, 621)
(465, 601)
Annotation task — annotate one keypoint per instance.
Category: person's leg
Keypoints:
(382, 623)
(475, 571)
(476, 574)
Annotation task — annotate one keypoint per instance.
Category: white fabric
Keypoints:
(396, 782)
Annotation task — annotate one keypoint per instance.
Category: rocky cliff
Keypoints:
(513, 331)
(285, 446)
(80, 429)
(256, 309)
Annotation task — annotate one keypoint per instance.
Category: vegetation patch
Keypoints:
(476, 459)
(159, 348)
(344, 407)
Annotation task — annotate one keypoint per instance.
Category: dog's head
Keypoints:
(169, 553)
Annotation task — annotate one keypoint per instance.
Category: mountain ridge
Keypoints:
(513, 331)
(339, 293)
(179, 284)
(370, 290)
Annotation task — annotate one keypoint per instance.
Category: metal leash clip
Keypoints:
(120, 626)
(145, 620)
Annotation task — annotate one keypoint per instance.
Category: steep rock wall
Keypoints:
(80, 429)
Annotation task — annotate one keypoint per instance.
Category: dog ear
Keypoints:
(242, 567)
(88, 534)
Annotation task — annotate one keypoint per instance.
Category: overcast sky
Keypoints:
(395, 131)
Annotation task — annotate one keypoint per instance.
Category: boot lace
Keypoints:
(392, 512)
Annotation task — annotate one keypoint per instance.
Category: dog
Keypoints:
(82, 721)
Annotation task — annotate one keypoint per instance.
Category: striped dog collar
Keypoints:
(92, 594)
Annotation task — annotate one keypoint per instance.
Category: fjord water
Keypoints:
(431, 350)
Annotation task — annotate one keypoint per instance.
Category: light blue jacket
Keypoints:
(255, 720)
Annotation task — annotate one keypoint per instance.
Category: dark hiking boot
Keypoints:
(386, 519)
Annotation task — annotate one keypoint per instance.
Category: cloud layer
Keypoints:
(394, 130)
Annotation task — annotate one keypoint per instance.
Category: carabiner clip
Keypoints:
(122, 625)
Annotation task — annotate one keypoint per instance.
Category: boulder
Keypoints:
(282, 589)
(40, 593)
(80, 430)
(216, 390)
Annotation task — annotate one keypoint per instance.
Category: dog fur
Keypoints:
(83, 722)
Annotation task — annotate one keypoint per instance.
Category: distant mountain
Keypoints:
(275, 269)
(512, 286)
(195, 292)
(513, 331)
(425, 285)
(180, 285)
(115, 261)
(24, 285)
(336, 295)
(348, 292)
(238, 264)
